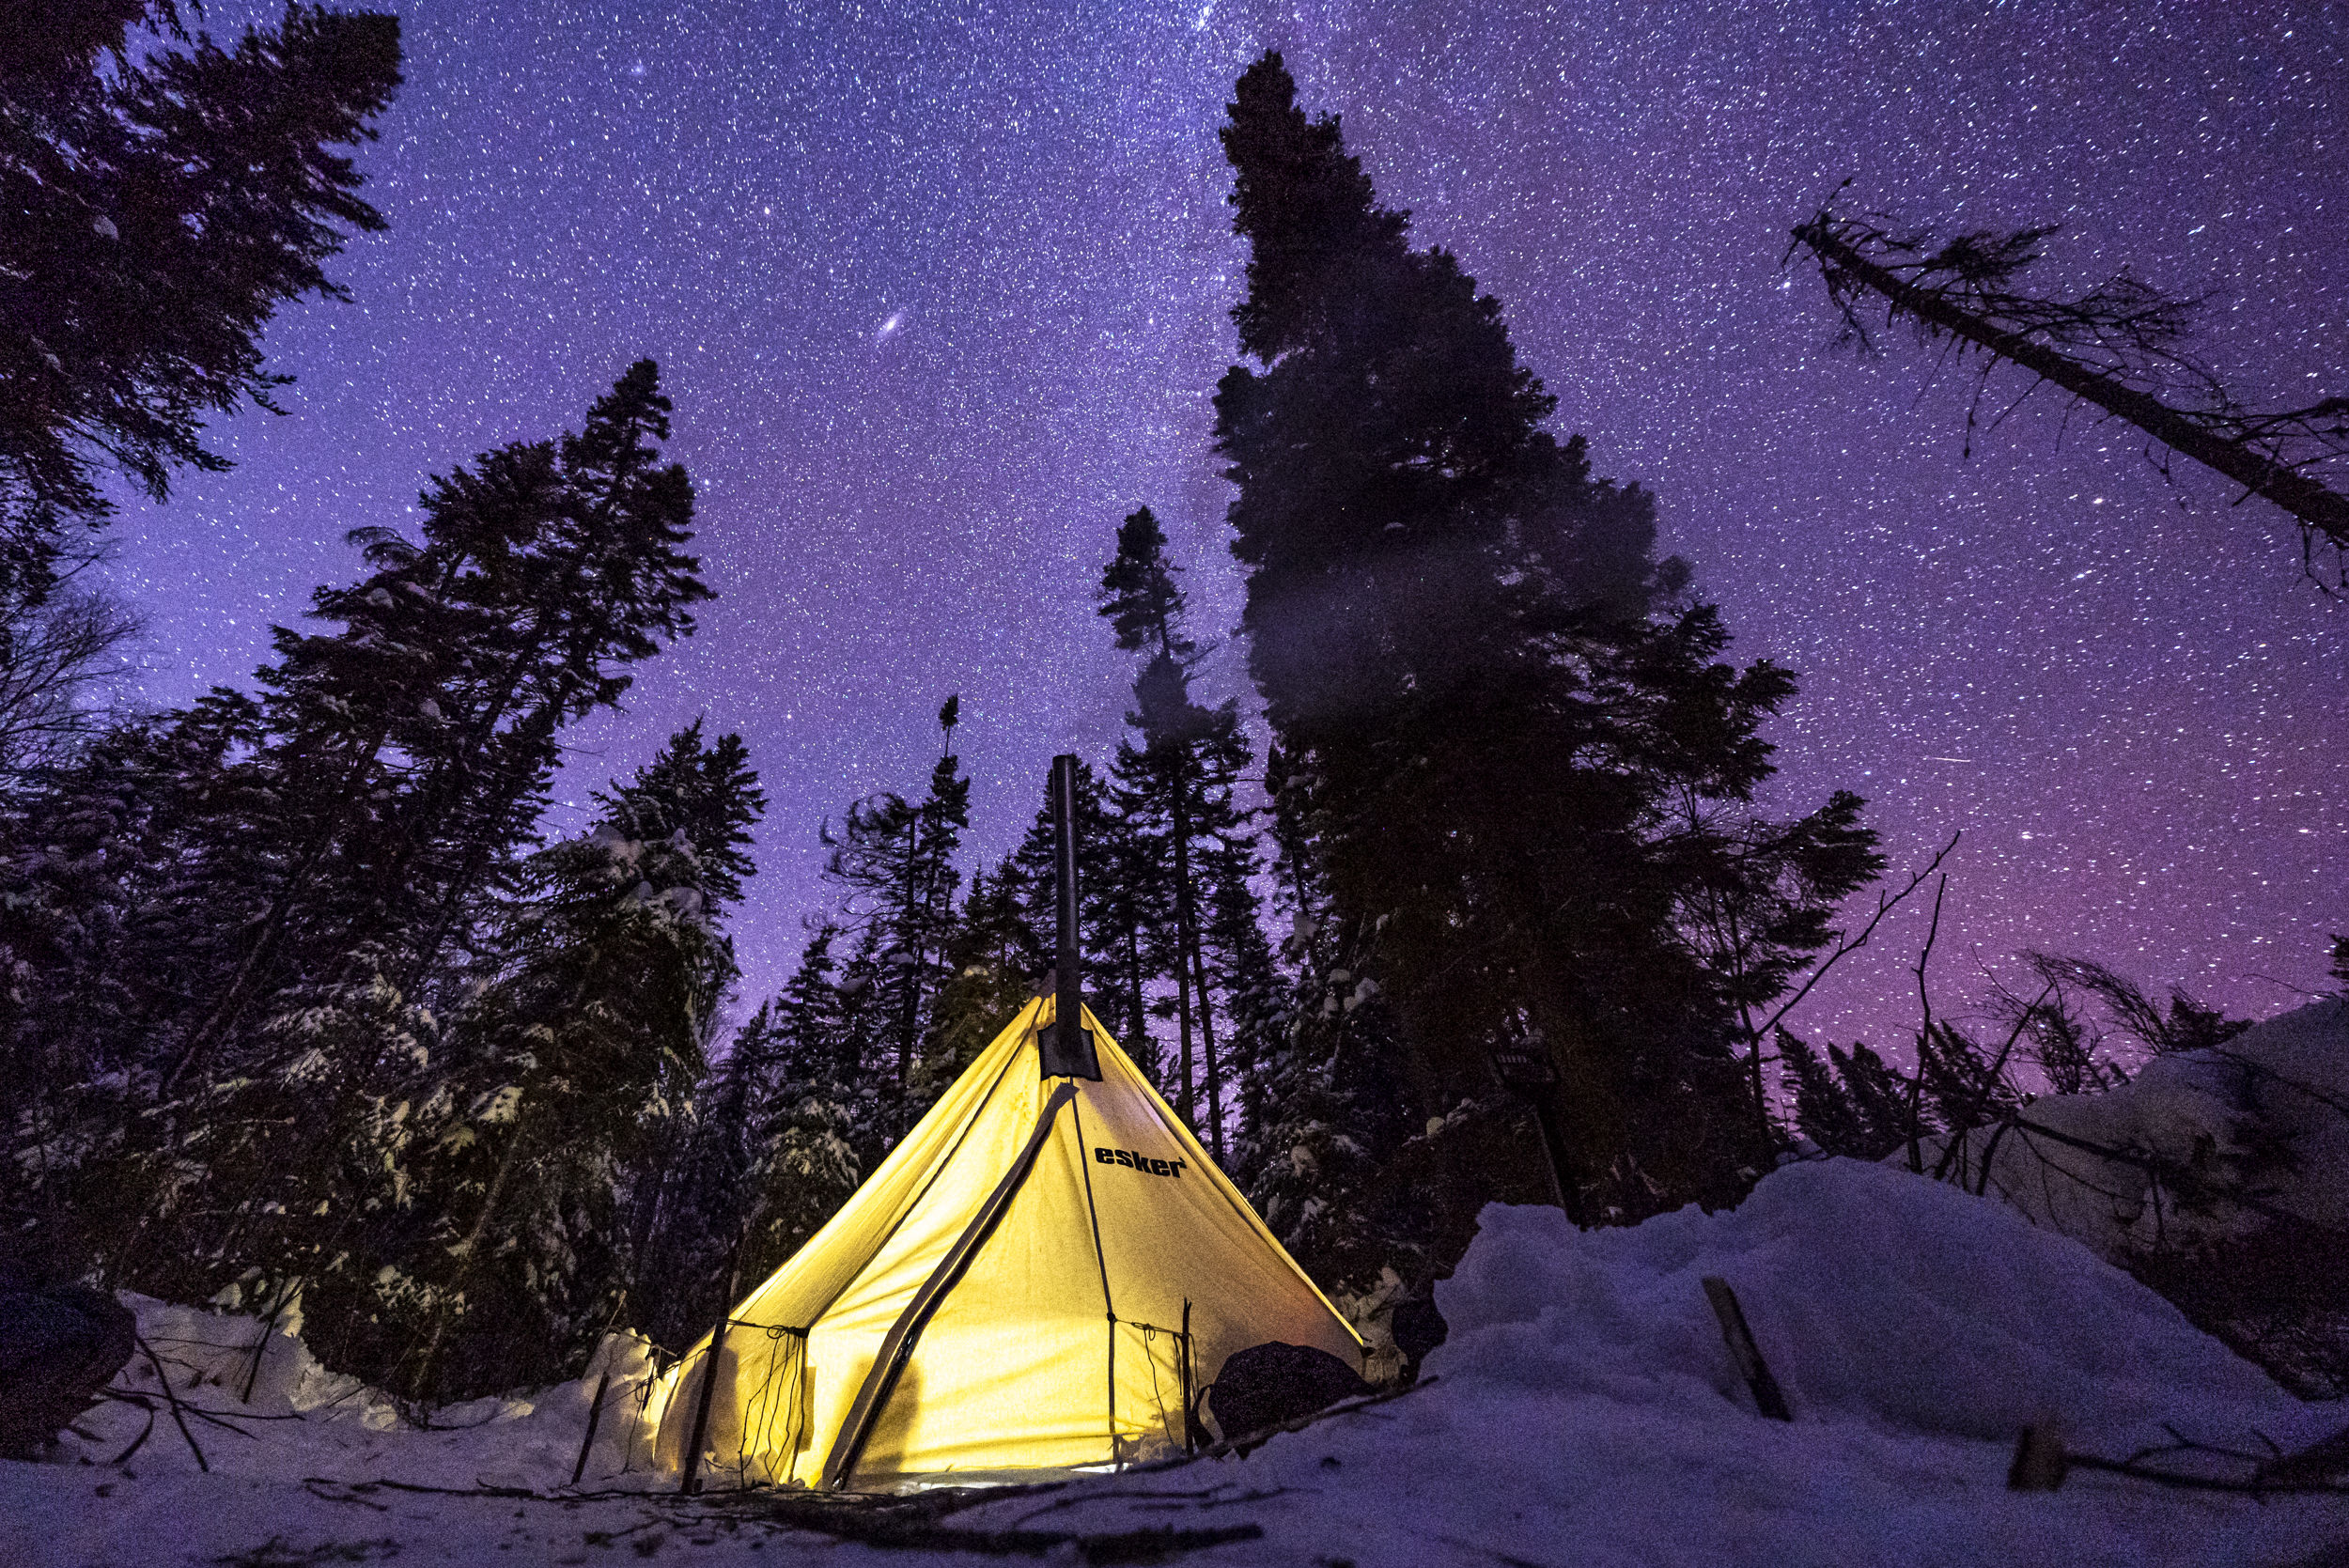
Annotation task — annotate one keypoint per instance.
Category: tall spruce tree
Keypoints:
(1501, 694)
(894, 860)
(993, 957)
(686, 1198)
(164, 194)
(562, 1095)
(695, 1200)
(1327, 1149)
(771, 1157)
(584, 1042)
(708, 793)
(411, 750)
(810, 1135)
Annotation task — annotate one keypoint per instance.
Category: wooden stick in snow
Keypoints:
(1767, 1397)
(595, 1414)
(2039, 1458)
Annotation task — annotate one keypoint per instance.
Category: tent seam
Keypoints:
(1100, 1259)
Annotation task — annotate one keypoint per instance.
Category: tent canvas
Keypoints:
(1027, 1257)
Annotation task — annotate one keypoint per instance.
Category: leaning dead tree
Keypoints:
(2116, 348)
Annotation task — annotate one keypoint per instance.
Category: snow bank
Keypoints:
(2267, 1112)
(260, 1405)
(1875, 1295)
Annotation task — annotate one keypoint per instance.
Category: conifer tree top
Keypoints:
(1138, 595)
(1301, 198)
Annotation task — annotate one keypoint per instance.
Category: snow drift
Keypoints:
(2207, 1144)
(259, 1405)
(1876, 1296)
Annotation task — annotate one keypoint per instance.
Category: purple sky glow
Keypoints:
(939, 292)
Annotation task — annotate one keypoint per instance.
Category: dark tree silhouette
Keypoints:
(1174, 797)
(161, 202)
(1531, 765)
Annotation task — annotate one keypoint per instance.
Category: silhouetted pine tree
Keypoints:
(586, 1038)
(310, 893)
(894, 860)
(1172, 795)
(1856, 1106)
(1965, 1085)
(994, 956)
(1325, 1122)
(692, 1192)
(1240, 965)
(767, 1162)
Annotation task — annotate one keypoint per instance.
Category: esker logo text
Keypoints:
(1143, 1163)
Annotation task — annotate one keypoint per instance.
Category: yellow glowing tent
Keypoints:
(1009, 1290)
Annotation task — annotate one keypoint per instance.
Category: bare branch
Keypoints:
(61, 664)
(1981, 1096)
(1924, 1038)
(1885, 903)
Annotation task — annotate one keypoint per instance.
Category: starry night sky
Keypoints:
(939, 292)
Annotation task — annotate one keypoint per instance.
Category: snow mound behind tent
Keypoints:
(1875, 1296)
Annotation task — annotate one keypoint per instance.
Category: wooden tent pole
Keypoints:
(897, 1349)
(692, 1483)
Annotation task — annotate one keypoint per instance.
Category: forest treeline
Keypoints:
(308, 1014)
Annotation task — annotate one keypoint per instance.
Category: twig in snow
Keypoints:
(1767, 1397)
(347, 1495)
(124, 1457)
(260, 1346)
(2040, 1461)
(173, 1399)
(1487, 1551)
(1205, 1499)
(225, 1419)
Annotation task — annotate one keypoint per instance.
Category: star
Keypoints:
(2148, 683)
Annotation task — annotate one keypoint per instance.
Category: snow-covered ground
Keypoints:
(1585, 1411)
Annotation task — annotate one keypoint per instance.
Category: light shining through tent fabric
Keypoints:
(1058, 1346)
